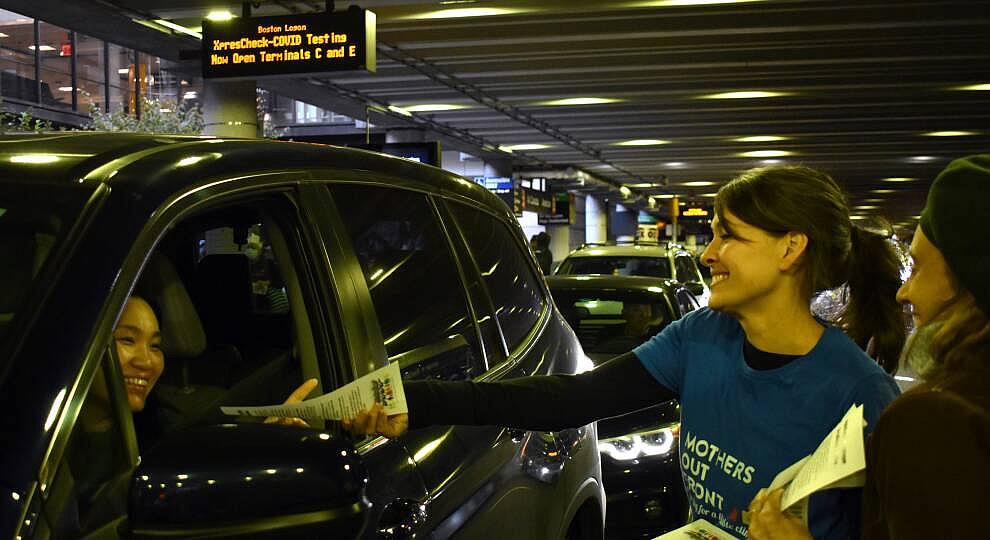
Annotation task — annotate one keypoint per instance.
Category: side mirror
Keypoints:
(695, 287)
(249, 480)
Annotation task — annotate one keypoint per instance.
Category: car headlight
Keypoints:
(655, 442)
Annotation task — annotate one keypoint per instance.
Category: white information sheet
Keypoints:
(383, 386)
(839, 461)
(697, 530)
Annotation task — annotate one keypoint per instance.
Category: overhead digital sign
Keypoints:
(289, 44)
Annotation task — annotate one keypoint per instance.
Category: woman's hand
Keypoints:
(296, 396)
(767, 522)
(375, 421)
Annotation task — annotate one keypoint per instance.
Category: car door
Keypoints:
(225, 343)
(437, 325)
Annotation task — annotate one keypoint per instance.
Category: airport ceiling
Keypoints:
(866, 89)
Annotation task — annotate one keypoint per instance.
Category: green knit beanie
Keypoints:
(956, 219)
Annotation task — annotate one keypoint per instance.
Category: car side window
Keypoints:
(511, 280)
(89, 489)
(686, 270)
(419, 299)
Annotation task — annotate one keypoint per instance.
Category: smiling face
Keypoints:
(931, 286)
(745, 262)
(139, 350)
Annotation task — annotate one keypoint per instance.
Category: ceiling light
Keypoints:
(42, 48)
(899, 179)
(515, 147)
(872, 200)
(749, 94)
(771, 162)
(645, 185)
(123, 71)
(881, 191)
(626, 192)
(857, 217)
(984, 86)
(865, 207)
(761, 138)
(580, 101)
(182, 29)
(642, 142)
(698, 184)
(465, 12)
(428, 107)
(709, 194)
(766, 153)
(399, 110)
(675, 164)
(664, 196)
(2, 35)
(64, 88)
(190, 95)
(949, 133)
(220, 15)
(920, 159)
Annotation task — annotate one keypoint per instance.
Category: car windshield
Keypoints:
(618, 266)
(609, 323)
(32, 221)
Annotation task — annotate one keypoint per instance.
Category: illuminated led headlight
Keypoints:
(643, 444)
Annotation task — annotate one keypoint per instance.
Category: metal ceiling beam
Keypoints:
(439, 76)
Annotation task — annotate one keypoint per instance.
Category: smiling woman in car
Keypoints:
(760, 380)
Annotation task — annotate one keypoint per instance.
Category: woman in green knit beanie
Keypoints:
(928, 460)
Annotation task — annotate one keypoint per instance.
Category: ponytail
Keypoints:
(873, 313)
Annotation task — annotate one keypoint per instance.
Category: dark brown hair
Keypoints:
(790, 198)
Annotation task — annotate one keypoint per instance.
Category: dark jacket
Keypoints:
(928, 463)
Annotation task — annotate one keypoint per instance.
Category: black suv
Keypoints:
(268, 263)
(612, 315)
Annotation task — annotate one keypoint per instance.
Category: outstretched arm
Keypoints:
(545, 403)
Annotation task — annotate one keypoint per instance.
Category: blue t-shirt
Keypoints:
(740, 427)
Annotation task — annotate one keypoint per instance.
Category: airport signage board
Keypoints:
(289, 45)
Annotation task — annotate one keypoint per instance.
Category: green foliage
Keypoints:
(23, 122)
(157, 116)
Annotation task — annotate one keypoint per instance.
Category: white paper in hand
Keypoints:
(697, 530)
(383, 386)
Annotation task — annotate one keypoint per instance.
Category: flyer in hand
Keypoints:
(839, 461)
(383, 386)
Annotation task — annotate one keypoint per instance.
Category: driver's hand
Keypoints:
(296, 396)
(374, 421)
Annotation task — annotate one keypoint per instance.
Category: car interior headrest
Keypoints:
(182, 331)
(223, 293)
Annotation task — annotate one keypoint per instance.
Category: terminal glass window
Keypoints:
(89, 72)
(122, 74)
(510, 279)
(17, 57)
(56, 66)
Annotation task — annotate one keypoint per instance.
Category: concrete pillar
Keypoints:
(560, 241)
(595, 219)
(230, 108)
(622, 222)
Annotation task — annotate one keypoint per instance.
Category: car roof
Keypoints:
(168, 163)
(622, 250)
(643, 284)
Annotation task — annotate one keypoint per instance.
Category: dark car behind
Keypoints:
(611, 315)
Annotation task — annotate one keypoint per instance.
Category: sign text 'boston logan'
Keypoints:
(290, 44)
